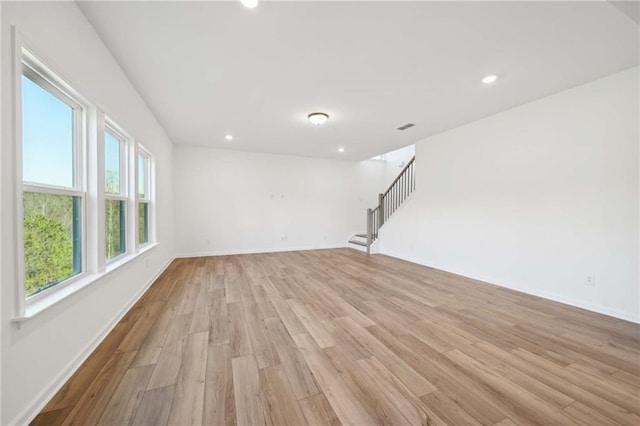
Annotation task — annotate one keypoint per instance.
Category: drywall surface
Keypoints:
(37, 357)
(239, 202)
(536, 198)
(396, 161)
(1, 206)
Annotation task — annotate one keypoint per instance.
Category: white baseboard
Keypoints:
(258, 251)
(582, 304)
(32, 410)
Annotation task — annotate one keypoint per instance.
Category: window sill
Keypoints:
(35, 307)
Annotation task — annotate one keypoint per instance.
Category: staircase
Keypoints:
(388, 202)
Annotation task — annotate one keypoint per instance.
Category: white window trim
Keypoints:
(126, 141)
(28, 64)
(149, 197)
(89, 185)
(71, 286)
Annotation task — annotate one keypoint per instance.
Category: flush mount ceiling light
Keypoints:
(318, 118)
(249, 3)
(340, 149)
(228, 137)
(490, 79)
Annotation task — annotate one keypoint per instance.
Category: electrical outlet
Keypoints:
(590, 279)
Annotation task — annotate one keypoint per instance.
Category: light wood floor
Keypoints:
(335, 336)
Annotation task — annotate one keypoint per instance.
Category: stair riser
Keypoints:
(357, 247)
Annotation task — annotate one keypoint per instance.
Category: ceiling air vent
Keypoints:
(406, 126)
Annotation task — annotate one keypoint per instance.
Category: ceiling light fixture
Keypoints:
(318, 118)
(251, 4)
(340, 149)
(490, 79)
(228, 137)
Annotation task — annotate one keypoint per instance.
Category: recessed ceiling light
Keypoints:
(490, 79)
(318, 118)
(249, 3)
(228, 137)
(340, 149)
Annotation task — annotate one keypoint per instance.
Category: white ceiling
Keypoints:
(208, 68)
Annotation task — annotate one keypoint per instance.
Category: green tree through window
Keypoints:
(51, 240)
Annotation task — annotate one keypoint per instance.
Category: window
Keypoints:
(143, 198)
(53, 196)
(84, 207)
(115, 188)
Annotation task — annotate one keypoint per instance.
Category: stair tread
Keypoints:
(360, 243)
(361, 235)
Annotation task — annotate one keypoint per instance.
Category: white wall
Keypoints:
(535, 198)
(401, 156)
(398, 156)
(395, 162)
(1, 208)
(239, 202)
(37, 357)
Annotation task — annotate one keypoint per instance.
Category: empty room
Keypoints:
(263, 212)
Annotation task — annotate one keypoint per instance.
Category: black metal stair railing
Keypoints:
(389, 201)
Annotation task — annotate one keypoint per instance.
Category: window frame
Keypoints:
(89, 183)
(125, 141)
(148, 196)
(35, 70)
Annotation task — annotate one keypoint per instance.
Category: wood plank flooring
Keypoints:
(332, 337)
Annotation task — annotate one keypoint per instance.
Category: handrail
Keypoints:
(409, 164)
(390, 200)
